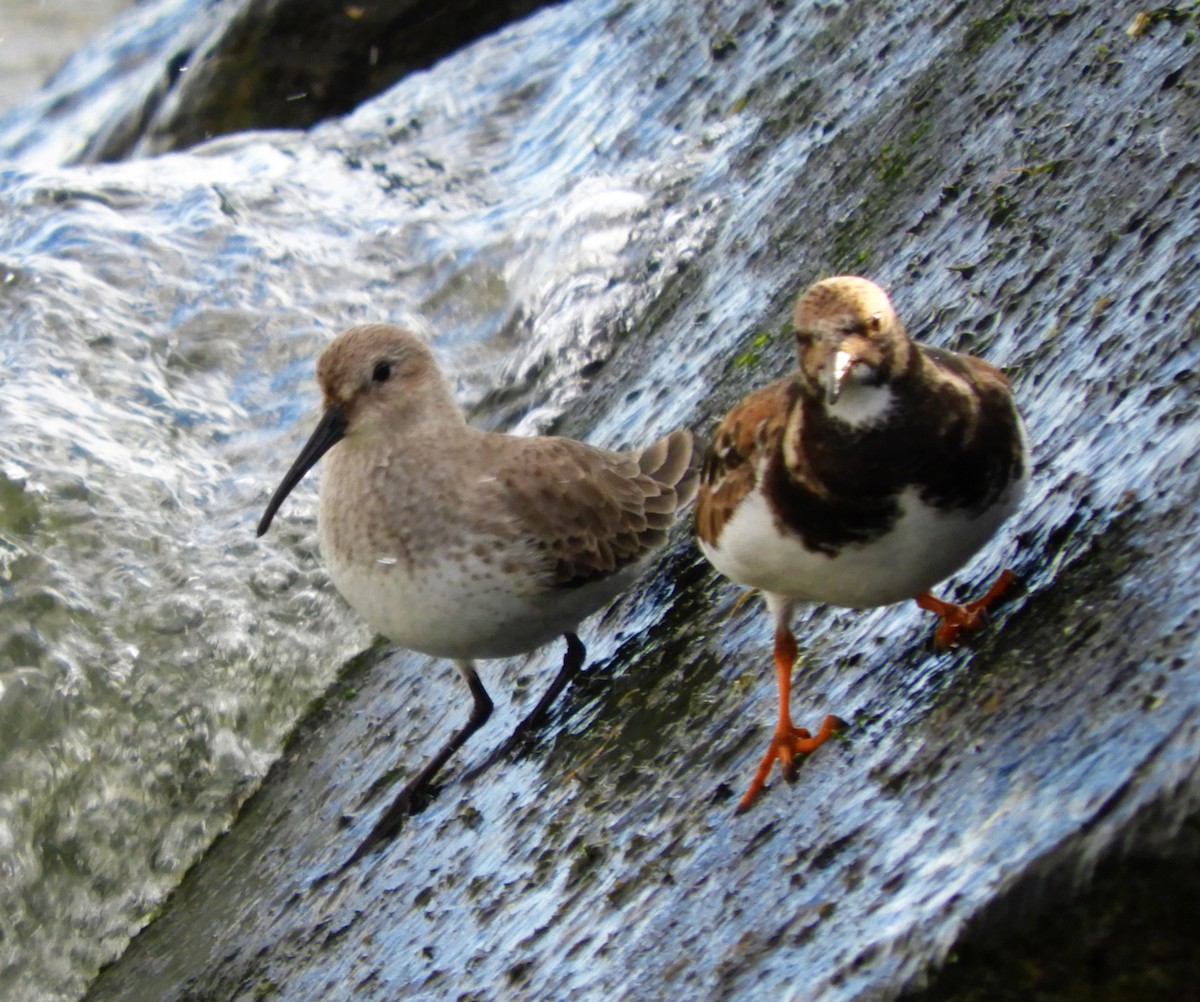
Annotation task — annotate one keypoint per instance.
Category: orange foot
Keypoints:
(959, 619)
(786, 744)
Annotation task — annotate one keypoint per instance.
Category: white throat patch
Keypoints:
(860, 405)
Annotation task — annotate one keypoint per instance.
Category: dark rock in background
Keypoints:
(281, 64)
(174, 73)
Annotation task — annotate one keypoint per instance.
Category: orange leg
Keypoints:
(788, 741)
(957, 619)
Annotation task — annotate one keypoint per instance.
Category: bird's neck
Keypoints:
(850, 446)
(863, 406)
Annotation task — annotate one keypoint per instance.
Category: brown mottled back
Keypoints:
(595, 512)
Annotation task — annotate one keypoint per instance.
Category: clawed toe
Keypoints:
(959, 621)
(957, 624)
(786, 744)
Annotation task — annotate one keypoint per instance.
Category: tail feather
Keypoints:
(671, 461)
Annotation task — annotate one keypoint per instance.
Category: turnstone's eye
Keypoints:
(382, 372)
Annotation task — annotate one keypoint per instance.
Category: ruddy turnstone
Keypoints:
(463, 543)
(875, 470)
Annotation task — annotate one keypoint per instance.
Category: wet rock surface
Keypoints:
(604, 229)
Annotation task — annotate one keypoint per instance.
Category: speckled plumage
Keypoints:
(465, 543)
(481, 545)
(871, 473)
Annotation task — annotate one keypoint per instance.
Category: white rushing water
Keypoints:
(161, 322)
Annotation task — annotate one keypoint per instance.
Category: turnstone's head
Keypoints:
(847, 335)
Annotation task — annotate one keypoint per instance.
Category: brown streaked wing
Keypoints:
(749, 431)
(594, 512)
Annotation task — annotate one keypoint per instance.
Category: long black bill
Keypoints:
(325, 436)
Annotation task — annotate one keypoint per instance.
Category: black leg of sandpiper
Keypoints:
(528, 728)
(419, 790)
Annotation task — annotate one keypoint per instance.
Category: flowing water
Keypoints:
(161, 319)
(536, 204)
(36, 36)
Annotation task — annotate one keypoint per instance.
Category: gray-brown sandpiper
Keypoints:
(871, 473)
(468, 544)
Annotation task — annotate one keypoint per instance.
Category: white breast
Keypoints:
(923, 547)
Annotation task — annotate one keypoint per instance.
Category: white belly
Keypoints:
(465, 608)
(924, 547)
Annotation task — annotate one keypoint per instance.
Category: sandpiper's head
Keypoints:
(847, 335)
(380, 377)
(375, 379)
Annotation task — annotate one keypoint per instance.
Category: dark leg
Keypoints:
(418, 792)
(528, 728)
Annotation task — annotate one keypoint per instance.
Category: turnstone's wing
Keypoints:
(974, 370)
(594, 512)
(988, 455)
(749, 433)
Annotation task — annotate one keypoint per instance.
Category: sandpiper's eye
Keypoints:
(382, 372)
